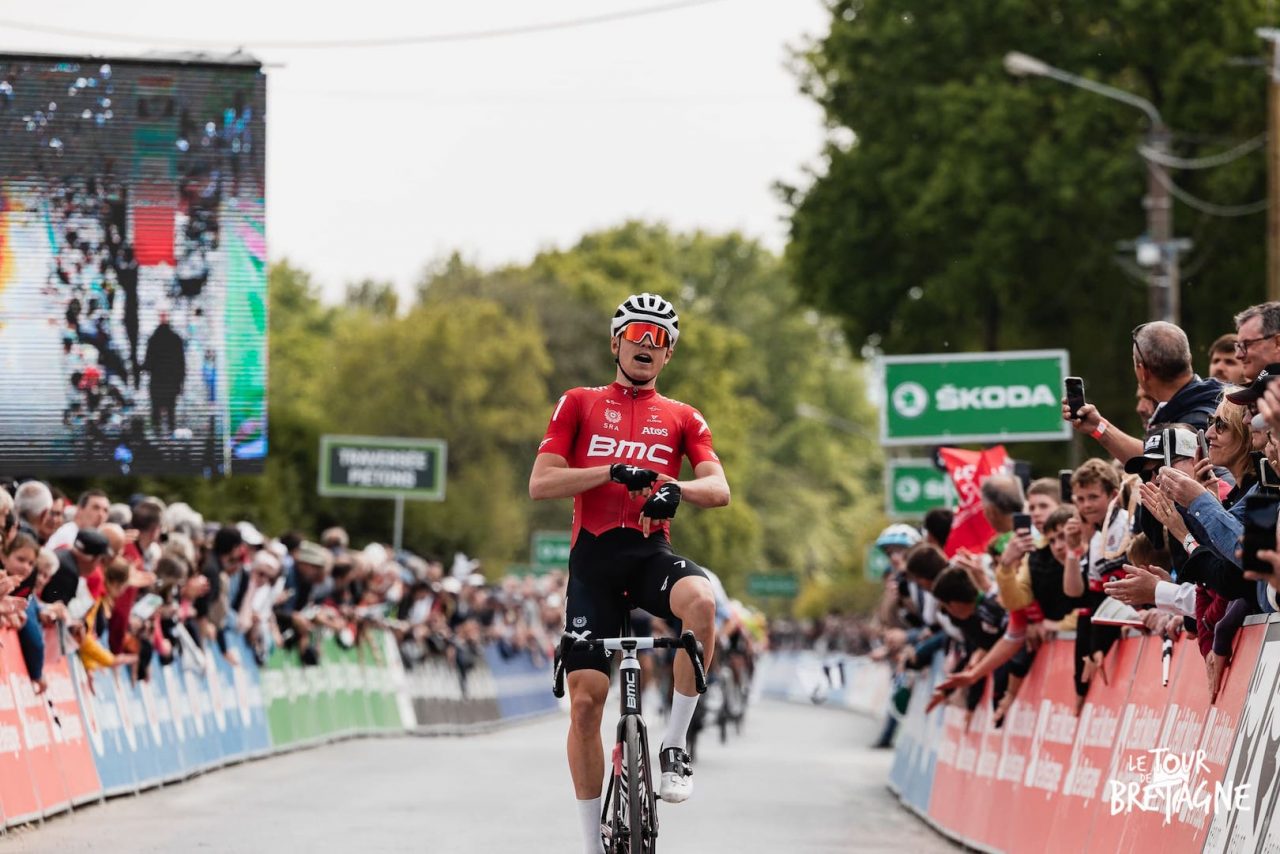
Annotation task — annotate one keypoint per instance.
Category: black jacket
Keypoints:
(1193, 404)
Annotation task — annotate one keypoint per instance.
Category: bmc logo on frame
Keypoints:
(607, 446)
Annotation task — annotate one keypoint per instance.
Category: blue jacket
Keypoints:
(31, 639)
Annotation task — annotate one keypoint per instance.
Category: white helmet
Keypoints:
(646, 308)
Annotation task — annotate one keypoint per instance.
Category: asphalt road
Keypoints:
(799, 780)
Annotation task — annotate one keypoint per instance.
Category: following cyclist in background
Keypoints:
(617, 450)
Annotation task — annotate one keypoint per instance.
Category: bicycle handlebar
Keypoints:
(686, 641)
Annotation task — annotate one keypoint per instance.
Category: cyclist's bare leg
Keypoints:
(588, 691)
(694, 602)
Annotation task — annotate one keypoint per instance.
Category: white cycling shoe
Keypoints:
(676, 784)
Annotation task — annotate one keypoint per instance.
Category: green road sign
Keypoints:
(877, 563)
(973, 397)
(914, 487)
(381, 467)
(550, 549)
(523, 569)
(772, 585)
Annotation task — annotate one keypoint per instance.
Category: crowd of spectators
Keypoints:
(1153, 536)
(136, 583)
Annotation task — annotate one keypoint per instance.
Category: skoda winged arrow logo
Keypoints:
(910, 400)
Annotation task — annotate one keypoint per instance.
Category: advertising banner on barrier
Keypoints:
(1252, 762)
(66, 727)
(159, 719)
(19, 798)
(1083, 786)
(112, 755)
(249, 700)
(523, 684)
(1049, 755)
(1139, 736)
(146, 759)
(915, 761)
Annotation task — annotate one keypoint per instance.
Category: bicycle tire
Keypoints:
(637, 795)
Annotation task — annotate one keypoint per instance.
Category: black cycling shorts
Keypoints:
(612, 573)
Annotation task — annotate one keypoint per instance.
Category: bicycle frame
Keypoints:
(630, 711)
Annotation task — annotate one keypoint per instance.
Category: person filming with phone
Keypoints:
(1162, 365)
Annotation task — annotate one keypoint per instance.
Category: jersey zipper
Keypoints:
(631, 436)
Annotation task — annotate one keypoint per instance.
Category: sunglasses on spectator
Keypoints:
(1243, 344)
(1142, 360)
(1218, 423)
(635, 333)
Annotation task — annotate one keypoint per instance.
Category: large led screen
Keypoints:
(133, 279)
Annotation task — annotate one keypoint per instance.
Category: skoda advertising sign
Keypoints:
(914, 487)
(955, 398)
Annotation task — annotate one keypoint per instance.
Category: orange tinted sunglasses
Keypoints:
(635, 332)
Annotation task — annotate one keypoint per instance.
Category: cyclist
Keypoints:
(616, 450)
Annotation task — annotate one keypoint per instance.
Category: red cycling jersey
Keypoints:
(619, 424)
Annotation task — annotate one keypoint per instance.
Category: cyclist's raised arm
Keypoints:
(553, 478)
(709, 487)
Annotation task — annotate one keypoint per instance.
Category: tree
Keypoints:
(962, 209)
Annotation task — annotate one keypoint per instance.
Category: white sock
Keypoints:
(589, 814)
(678, 721)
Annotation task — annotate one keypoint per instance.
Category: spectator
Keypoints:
(165, 361)
(937, 526)
(1043, 497)
(19, 576)
(1162, 364)
(1224, 365)
(1145, 406)
(1097, 539)
(91, 512)
(1257, 338)
(37, 515)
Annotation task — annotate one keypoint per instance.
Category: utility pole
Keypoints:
(1273, 165)
(1162, 281)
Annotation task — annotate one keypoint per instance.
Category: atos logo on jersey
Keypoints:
(607, 446)
(654, 431)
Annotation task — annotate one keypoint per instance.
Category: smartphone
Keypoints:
(145, 607)
(1064, 483)
(1260, 513)
(1022, 522)
(1267, 477)
(1075, 395)
(1169, 439)
(1204, 444)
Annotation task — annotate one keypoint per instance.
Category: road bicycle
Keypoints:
(630, 814)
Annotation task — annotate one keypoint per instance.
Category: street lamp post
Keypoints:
(1162, 277)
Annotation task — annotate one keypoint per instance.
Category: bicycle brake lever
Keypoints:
(694, 649)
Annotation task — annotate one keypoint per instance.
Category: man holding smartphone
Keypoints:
(1162, 365)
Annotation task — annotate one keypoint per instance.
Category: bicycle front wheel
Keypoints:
(639, 798)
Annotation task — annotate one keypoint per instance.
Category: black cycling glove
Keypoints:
(633, 478)
(664, 501)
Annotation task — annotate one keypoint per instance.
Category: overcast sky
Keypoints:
(383, 159)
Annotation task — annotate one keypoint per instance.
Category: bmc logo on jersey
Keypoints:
(654, 431)
(607, 446)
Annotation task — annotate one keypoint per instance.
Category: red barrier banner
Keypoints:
(42, 757)
(1252, 762)
(19, 799)
(1049, 757)
(1139, 736)
(1083, 786)
(1015, 753)
(66, 726)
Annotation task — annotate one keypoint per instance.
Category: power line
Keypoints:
(386, 41)
(1172, 162)
(1208, 207)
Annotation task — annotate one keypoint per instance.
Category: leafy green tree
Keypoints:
(958, 208)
